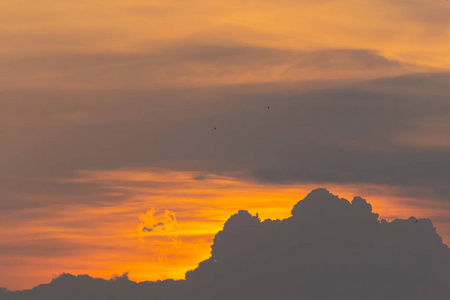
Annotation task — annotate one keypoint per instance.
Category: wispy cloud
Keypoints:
(159, 223)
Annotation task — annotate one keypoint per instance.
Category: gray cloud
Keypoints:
(329, 248)
(160, 224)
(41, 247)
(341, 134)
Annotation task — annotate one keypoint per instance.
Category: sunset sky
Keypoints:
(131, 130)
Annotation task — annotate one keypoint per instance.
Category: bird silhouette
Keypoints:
(268, 107)
(215, 128)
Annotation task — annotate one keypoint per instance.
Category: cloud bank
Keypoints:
(329, 248)
(374, 132)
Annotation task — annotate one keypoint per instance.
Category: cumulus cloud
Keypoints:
(330, 248)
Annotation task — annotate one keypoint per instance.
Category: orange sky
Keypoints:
(97, 44)
(107, 239)
(64, 47)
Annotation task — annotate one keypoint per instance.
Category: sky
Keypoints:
(131, 130)
(326, 241)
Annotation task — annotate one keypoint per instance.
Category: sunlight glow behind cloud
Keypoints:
(110, 161)
(102, 240)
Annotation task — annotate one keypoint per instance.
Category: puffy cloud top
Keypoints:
(329, 249)
(320, 205)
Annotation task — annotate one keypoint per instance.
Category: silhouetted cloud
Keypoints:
(329, 248)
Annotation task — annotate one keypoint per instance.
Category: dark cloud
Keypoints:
(344, 134)
(160, 224)
(329, 248)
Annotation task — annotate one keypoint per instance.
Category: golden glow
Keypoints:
(108, 238)
(158, 224)
(110, 44)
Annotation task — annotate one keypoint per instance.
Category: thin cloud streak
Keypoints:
(124, 26)
(188, 65)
